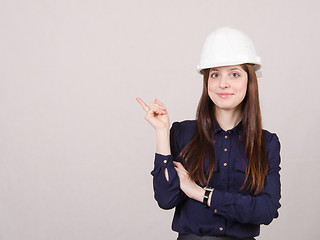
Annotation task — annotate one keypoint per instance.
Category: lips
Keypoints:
(224, 95)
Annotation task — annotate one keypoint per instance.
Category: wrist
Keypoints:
(163, 131)
(198, 194)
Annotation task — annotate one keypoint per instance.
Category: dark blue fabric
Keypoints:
(232, 213)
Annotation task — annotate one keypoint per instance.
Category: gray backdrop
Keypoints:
(75, 151)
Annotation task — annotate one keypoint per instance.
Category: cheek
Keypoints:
(211, 86)
(243, 90)
(212, 89)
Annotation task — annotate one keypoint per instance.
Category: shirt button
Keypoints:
(221, 228)
(164, 161)
(225, 149)
(225, 164)
(215, 211)
(225, 136)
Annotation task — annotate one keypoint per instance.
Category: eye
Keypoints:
(235, 75)
(214, 75)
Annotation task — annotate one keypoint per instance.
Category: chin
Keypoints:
(225, 107)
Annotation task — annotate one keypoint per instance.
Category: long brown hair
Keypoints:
(202, 142)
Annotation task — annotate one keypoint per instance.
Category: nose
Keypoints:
(223, 82)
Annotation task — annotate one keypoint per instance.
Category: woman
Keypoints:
(221, 171)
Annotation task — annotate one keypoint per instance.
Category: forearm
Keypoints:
(198, 194)
(245, 208)
(167, 190)
(163, 141)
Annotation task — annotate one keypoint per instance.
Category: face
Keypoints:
(227, 86)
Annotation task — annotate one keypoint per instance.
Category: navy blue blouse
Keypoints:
(232, 212)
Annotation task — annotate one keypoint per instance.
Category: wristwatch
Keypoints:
(206, 195)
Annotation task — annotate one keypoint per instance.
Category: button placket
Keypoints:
(226, 148)
(224, 140)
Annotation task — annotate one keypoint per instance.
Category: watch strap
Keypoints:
(206, 197)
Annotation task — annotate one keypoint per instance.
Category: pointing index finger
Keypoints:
(143, 105)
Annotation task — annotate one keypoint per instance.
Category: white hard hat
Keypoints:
(228, 46)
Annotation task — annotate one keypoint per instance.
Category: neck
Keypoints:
(228, 119)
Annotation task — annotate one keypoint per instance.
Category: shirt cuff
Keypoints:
(163, 160)
(216, 200)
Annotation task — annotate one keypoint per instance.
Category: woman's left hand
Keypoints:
(187, 185)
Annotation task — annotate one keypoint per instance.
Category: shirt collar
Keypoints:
(236, 129)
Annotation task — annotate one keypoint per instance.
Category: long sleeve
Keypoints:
(260, 209)
(167, 192)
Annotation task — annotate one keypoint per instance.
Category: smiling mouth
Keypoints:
(225, 95)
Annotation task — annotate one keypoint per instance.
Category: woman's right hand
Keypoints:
(156, 114)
